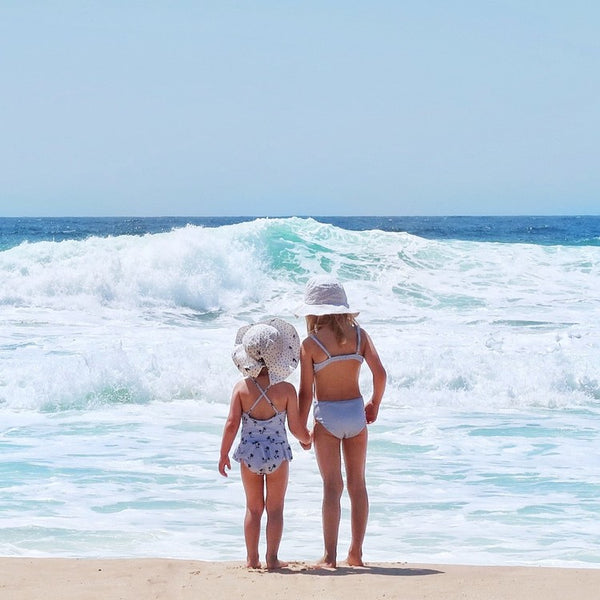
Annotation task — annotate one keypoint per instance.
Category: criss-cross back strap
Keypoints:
(263, 394)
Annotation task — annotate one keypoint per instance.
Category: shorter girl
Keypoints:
(266, 354)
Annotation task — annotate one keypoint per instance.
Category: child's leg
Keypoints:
(255, 504)
(355, 458)
(327, 450)
(276, 486)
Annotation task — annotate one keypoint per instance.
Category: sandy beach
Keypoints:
(165, 579)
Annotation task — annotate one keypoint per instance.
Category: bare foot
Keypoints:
(326, 562)
(355, 560)
(276, 564)
(253, 564)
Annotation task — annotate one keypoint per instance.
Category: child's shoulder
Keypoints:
(283, 387)
(307, 340)
(242, 386)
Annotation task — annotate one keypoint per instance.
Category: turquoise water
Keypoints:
(115, 378)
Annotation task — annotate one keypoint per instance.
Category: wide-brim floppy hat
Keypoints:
(273, 344)
(324, 295)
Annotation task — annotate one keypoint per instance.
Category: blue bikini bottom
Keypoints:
(341, 418)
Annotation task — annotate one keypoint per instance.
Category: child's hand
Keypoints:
(371, 412)
(307, 445)
(223, 464)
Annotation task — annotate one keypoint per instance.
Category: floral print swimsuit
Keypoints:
(263, 442)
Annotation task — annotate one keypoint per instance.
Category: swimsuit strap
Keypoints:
(263, 394)
(316, 340)
(337, 357)
(320, 344)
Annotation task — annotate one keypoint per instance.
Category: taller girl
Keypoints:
(330, 360)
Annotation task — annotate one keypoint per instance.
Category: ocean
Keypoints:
(115, 376)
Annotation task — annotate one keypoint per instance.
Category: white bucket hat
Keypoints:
(273, 344)
(324, 295)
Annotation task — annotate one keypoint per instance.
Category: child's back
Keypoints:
(280, 394)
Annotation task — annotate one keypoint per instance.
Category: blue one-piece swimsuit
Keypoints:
(263, 442)
(341, 418)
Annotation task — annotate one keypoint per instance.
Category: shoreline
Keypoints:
(176, 579)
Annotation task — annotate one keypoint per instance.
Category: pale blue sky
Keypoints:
(299, 107)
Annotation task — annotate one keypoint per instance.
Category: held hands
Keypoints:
(223, 464)
(371, 412)
(307, 445)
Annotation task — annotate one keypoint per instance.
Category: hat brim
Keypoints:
(318, 310)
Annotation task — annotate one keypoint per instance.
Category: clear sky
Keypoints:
(281, 107)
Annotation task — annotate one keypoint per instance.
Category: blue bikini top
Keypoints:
(338, 357)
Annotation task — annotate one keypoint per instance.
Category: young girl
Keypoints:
(330, 361)
(266, 354)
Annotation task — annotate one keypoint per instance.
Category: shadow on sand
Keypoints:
(342, 571)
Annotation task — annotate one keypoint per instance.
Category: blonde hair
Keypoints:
(336, 322)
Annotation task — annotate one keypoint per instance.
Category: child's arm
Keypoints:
(379, 379)
(296, 424)
(230, 430)
(305, 394)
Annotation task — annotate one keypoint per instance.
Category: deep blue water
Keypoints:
(542, 230)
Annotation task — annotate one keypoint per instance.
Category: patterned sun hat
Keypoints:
(273, 343)
(324, 295)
